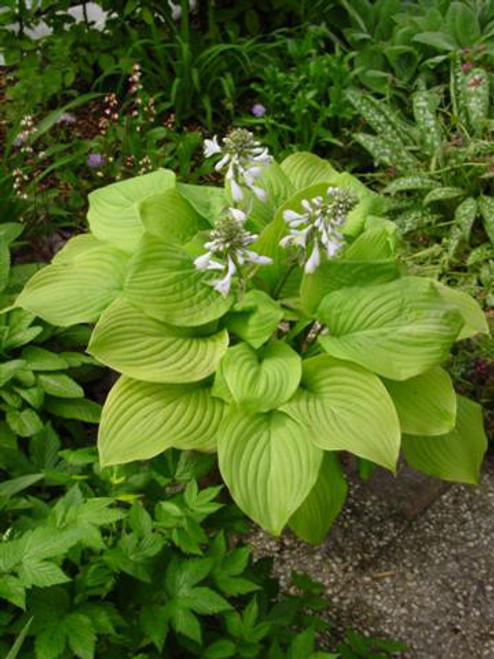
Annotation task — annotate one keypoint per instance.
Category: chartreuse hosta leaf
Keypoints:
(456, 456)
(129, 341)
(314, 518)
(76, 288)
(398, 329)
(142, 419)
(426, 404)
(207, 200)
(254, 318)
(113, 213)
(165, 284)
(474, 318)
(305, 169)
(368, 261)
(264, 379)
(346, 408)
(168, 215)
(269, 463)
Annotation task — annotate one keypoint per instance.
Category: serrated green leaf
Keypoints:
(39, 359)
(12, 590)
(77, 292)
(59, 385)
(50, 642)
(74, 408)
(142, 419)
(81, 636)
(456, 456)
(129, 341)
(24, 423)
(426, 404)
(113, 214)
(166, 285)
(269, 463)
(314, 518)
(397, 330)
(42, 574)
(345, 407)
(264, 379)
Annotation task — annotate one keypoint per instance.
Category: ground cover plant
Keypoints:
(439, 170)
(269, 321)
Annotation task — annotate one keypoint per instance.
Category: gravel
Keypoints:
(428, 581)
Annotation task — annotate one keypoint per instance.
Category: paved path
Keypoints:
(429, 581)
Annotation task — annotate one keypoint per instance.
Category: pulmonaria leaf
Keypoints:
(269, 463)
(142, 419)
(78, 289)
(314, 518)
(254, 318)
(477, 98)
(426, 404)
(144, 348)
(113, 214)
(425, 113)
(166, 285)
(486, 205)
(456, 456)
(398, 330)
(346, 408)
(264, 379)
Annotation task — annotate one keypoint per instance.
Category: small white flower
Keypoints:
(176, 10)
(319, 226)
(243, 160)
(211, 147)
(227, 249)
(313, 260)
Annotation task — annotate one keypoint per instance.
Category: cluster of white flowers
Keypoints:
(243, 159)
(227, 249)
(319, 226)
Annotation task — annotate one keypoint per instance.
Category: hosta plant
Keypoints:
(267, 320)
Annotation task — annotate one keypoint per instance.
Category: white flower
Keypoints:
(211, 147)
(176, 10)
(243, 161)
(227, 250)
(319, 226)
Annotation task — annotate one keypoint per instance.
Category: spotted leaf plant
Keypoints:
(270, 321)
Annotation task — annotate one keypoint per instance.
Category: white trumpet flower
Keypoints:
(243, 160)
(227, 250)
(318, 226)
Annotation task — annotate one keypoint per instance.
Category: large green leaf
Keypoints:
(254, 318)
(113, 210)
(207, 200)
(168, 215)
(368, 261)
(142, 419)
(426, 404)
(304, 169)
(76, 246)
(269, 463)
(76, 290)
(475, 321)
(456, 456)
(346, 408)
(165, 284)
(398, 329)
(314, 518)
(129, 341)
(264, 379)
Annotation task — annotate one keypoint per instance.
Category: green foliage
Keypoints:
(322, 375)
(138, 561)
(441, 186)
